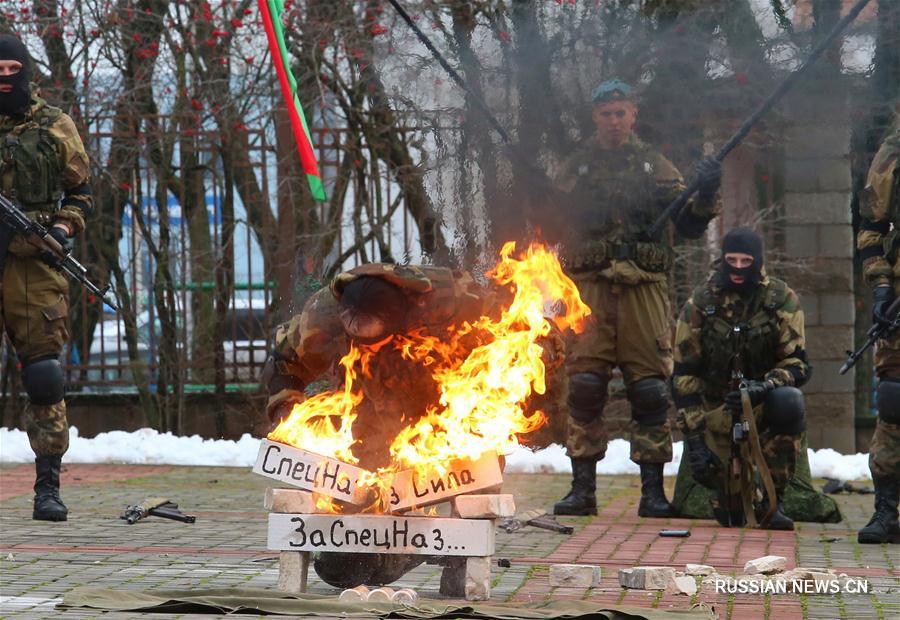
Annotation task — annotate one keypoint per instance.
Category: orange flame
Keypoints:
(484, 385)
(311, 424)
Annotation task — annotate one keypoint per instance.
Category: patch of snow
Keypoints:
(149, 447)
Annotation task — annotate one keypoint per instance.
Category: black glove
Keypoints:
(882, 297)
(63, 239)
(756, 390)
(709, 177)
(705, 465)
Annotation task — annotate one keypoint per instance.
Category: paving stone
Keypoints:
(574, 576)
(766, 565)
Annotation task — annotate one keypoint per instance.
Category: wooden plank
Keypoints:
(381, 534)
(409, 490)
(310, 471)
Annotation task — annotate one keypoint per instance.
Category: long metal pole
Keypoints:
(672, 210)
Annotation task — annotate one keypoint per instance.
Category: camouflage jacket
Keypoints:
(617, 194)
(879, 208)
(44, 167)
(771, 343)
(310, 345)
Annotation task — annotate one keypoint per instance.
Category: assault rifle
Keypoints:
(157, 507)
(878, 331)
(17, 222)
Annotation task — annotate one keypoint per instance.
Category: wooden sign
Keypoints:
(381, 534)
(310, 471)
(408, 489)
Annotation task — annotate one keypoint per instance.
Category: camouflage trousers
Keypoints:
(33, 313)
(779, 451)
(630, 328)
(884, 453)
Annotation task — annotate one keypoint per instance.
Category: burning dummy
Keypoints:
(398, 339)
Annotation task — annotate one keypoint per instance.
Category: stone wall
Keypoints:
(819, 242)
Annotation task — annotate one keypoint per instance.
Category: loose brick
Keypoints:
(289, 501)
(647, 577)
(293, 568)
(766, 565)
(485, 506)
(574, 576)
(685, 585)
(478, 579)
(698, 569)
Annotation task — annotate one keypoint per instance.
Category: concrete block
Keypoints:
(816, 274)
(833, 174)
(817, 208)
(485, 506)
(647, 577)
(837, 309)
(354, 595)
(836, 241)
(817, 140)
(821, 174)
(801, 241)
(828, 342)
(800, 175)
(478, 579)
(809, 303)
(574, 576)
(698, 569)
(766, 565)
(685, 585)
(289, 500)
(825, 378)
(293, 570)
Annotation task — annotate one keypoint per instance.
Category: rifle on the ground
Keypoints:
(671, 212)
(15, 220)
(878, 331)
(156, 507)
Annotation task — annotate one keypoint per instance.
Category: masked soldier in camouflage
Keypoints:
(617, 187)
(741, 321)
(877, 243)
(45, 170)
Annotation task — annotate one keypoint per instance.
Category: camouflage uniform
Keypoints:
(310, 345)
(617, 195)
(770, 346)
(44, 168)
(877, 243)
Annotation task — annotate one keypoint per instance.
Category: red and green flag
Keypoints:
(271, 11)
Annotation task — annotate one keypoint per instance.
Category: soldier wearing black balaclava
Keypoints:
(741, 321)
(45, 171)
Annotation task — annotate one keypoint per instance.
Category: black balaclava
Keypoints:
(16, 102)
(745, 241)
(372, 309)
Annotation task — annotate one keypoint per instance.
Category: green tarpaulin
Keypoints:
(801, 501)
(254, 600)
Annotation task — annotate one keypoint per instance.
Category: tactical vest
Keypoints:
(749, 346)
(30, 157)
(616, 202)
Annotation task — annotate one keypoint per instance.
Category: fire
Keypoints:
(483, 399)
(486, 373)
(311, 424)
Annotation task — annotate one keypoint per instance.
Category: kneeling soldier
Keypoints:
(741, 324)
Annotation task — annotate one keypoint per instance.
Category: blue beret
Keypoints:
(612, 90)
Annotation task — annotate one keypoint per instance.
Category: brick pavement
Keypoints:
(40, 562)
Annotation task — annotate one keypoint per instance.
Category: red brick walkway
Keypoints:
(20, 480)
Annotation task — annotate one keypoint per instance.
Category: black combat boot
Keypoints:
(582, 499)
(47, 504)
(883, 526)
(653, 498)
(778, 521)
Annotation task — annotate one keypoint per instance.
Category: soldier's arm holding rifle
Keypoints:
(687, 389)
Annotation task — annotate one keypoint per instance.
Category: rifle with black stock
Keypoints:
(16, 222)
(878, 331)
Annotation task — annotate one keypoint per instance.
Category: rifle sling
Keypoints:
(757, 458)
